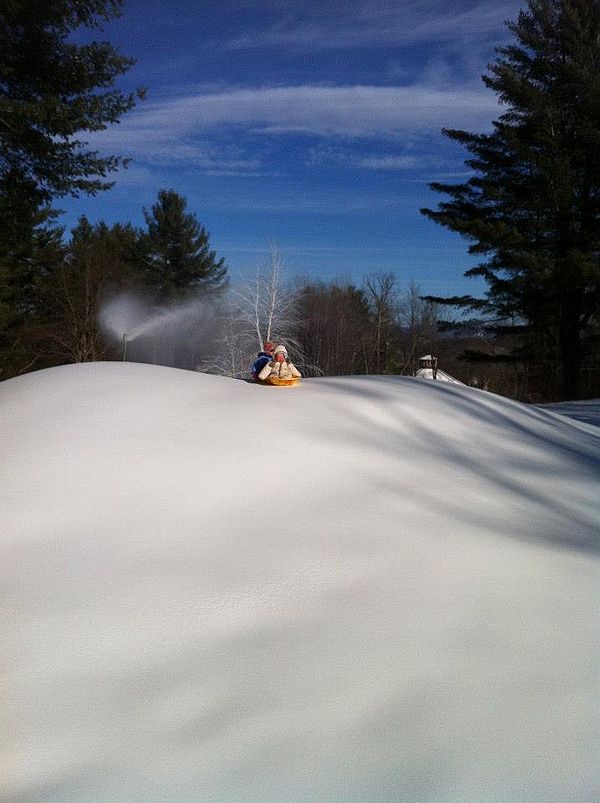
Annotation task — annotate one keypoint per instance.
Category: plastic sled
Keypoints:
(281, 383)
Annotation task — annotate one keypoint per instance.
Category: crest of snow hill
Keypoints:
(363, 589)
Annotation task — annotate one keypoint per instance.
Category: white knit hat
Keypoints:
(281, 349)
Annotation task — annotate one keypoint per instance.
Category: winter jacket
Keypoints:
(262, 359)
(279, 370)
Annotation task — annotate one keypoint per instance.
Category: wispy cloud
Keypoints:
(328, 155)
(164, 144)
(316, 201)
(184, 129)
(387, 162)
(330, 25)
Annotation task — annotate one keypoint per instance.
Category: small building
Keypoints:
(430, 362)
(428, 369)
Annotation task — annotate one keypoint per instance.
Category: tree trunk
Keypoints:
(571, 356)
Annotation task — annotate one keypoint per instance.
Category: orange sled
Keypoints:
(280, 383)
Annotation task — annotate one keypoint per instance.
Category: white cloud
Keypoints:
(132, 176)
(183, 129)
(327, 155)
(330, 25)
(164, 142)
(387, 162)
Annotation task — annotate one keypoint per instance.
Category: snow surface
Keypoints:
(356, 590)
(587, 411)
(440, 376)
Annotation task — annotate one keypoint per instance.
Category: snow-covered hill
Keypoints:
(357, 590)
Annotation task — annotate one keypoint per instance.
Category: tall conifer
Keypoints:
(179, 257)
(532, 207)
(52, 91)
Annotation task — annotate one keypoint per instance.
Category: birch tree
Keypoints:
(264, 309)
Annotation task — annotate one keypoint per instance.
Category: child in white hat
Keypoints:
(279, 367)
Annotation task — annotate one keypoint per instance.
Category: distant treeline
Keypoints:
(161, 294)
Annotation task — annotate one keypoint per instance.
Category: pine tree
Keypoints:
(31, 249)
(532, 209)
(179, 258)
(52, 90)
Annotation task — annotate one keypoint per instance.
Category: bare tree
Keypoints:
(74, 297)
(417, 321)
(266, 308)
(236, 345)
(336, 328)
(381, 291)
(268, 305)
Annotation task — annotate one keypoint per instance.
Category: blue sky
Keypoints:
(312, 124)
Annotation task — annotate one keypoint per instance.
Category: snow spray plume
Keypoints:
(122, 314)
(177, 335)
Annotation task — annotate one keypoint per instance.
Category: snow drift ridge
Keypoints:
(361, 589)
